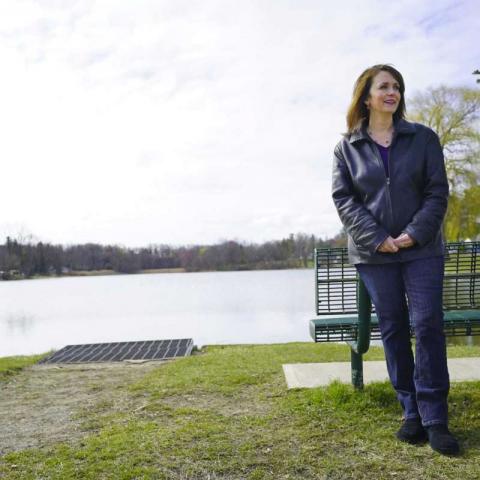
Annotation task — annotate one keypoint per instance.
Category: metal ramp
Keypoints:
(120, 351)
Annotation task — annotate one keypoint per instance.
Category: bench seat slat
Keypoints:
(344, 328)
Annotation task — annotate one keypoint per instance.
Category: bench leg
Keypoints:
(357, 370)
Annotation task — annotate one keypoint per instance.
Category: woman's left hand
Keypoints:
(404, 240)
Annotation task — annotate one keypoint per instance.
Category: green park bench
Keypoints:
(346, 310)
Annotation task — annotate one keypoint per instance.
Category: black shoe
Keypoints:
(442, 441)
(412, 431)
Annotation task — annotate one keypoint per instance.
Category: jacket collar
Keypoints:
(400, 127)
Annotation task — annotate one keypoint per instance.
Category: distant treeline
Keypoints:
(20, 259)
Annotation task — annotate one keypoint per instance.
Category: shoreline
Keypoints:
(100, 273)
(464, 343)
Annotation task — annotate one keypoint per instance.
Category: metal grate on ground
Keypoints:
(120, 351)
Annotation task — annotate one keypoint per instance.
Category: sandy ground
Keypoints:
(43, 404)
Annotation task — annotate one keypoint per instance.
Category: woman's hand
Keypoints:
(404, 240)
(388, 246)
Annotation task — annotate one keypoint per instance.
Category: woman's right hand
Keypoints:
(388, 246)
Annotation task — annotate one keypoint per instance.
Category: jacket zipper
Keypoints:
(387, 179)
(389, 196)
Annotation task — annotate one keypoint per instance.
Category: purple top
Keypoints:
(384, 154)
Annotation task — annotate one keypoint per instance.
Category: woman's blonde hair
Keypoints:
(358, 112)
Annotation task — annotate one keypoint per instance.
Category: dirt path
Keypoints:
(43, 404)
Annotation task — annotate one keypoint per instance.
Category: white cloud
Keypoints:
(185, 122)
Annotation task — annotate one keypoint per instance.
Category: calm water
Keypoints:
(212, 308)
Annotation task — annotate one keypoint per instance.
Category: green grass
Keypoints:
(11, 365)
(226, 414)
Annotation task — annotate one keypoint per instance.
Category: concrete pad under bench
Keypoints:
(310, 375)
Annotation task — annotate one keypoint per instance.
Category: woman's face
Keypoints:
(384, 94)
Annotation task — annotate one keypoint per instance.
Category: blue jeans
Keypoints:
(422, 384)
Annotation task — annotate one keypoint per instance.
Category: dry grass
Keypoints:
(224, 414)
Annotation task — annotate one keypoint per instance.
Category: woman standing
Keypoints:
(390, 190)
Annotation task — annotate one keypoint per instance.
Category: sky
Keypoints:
(194, 122)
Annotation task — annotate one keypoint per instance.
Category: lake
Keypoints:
(262, 306)
(266, 306)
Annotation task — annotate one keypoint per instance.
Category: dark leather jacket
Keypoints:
(412, 200)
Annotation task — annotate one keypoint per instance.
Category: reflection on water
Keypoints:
(19, 322)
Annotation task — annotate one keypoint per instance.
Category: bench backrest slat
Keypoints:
(336, 280)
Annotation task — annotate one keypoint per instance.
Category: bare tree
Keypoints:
(454, 114)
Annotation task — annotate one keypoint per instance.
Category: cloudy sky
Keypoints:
(175, 121)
